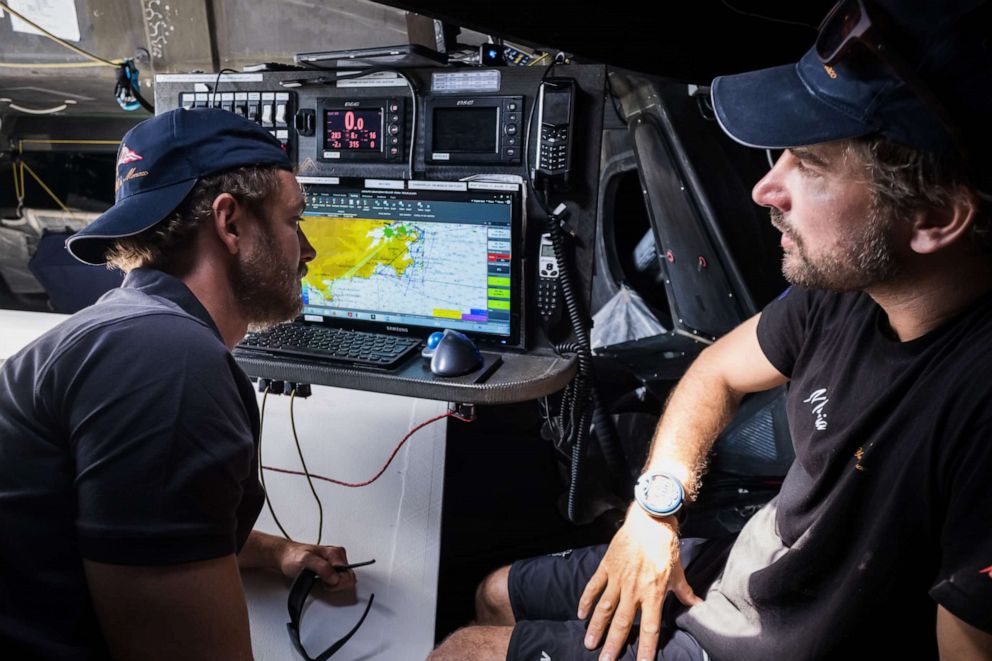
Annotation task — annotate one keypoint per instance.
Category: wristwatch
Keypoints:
(660, 494)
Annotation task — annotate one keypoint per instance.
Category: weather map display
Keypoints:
(426, 258)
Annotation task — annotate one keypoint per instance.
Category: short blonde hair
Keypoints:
(168, 240)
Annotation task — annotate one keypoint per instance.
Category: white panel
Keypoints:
(348, 435)
(56, 16)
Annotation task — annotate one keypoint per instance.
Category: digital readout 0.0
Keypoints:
(350, 130)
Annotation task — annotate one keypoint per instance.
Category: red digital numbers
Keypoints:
(351, 123)
(346, 129)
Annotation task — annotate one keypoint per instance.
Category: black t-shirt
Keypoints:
(886, 511)
(128, 435)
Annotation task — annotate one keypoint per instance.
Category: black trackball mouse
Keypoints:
(455, 355)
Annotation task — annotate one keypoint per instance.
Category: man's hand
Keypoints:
(264, 551)
(640, 566)
(319, 559)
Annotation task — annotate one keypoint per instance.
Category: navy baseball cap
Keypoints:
(159, 162)
(944, 44)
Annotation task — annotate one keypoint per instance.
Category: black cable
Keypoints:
(579, 409)
(606, 433)
(213, 97)
(609, 443)
(261, 473)
(144, 104)
(306, 471)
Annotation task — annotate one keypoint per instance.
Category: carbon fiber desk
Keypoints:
(517, 377)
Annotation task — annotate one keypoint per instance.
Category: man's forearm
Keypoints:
(706, 399)
(701, 405)
(261, 551)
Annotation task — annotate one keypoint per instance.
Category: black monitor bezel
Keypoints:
(515, 337)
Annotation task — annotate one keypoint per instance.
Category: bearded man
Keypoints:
(129, 435)
(879, 544)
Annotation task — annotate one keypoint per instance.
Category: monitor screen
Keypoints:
(466, 129)
(353, 130)
(412, 258)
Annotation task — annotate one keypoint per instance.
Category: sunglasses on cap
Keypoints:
(298, 593)
(849, 25)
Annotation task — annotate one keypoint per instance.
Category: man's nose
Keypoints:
(770, 191)
(307, 253)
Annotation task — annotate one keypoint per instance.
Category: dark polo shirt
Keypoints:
(128, 435)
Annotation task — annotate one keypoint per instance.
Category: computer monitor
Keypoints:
(414, 256)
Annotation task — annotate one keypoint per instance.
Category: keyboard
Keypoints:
(331, 344)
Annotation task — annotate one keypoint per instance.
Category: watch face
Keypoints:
(660, 493)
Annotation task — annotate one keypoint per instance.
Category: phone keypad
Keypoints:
(547, 293)
(554, 147)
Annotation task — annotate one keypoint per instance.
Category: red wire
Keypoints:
(446, 414)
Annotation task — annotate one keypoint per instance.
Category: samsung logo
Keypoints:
(466, 102)
(398, 329)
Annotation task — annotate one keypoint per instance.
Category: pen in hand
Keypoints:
(340, 568)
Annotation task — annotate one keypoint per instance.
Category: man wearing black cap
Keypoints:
(128, 434)
(879, 543)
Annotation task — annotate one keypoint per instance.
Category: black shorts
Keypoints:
(544, 595)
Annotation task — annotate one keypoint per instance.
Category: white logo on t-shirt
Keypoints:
(818, 399)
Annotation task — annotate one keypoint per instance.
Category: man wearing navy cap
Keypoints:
(128, 434)
(879, 543)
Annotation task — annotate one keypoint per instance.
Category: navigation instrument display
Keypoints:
(353, 130)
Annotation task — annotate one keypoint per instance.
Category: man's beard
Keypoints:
(266, 289)
(861, 259)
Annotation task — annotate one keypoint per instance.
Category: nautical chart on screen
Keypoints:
(429, 262)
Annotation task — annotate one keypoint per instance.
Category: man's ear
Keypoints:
(935, 228)
(228, 221)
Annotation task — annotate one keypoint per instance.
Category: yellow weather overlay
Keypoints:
(356, 248)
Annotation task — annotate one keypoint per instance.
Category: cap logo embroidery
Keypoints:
(830, 71)
(131, 174)
(127, 156)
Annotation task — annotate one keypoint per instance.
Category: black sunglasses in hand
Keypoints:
(298, 593)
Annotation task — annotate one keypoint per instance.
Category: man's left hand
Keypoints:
(319, 559)
(265, 551)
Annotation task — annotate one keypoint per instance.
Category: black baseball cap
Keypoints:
(159, 162)
(944, 48)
